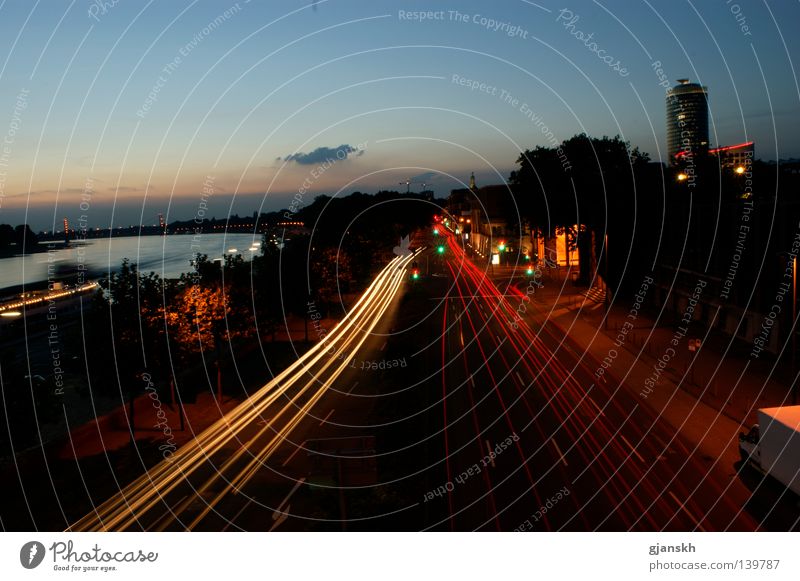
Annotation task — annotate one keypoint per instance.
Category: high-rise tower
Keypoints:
(687, 121)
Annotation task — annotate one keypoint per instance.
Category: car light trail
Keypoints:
(559, 382)
(634, 490)
(303, 384)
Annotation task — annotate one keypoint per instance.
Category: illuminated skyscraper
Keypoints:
(687, 121)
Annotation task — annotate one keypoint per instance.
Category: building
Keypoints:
(687, 122)
(483, 215)
(736, 157)
(490, 224)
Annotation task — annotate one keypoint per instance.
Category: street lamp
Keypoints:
(605, 282)
(682, 177)
(792, 328)
(794, 331)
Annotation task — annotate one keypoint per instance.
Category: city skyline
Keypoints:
(400, 267)
(141, 106)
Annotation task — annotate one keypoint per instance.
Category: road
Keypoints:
(582, 455)
(241, 472)
(437, 404)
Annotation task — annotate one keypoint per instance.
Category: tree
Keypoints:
(7, 236)
(196, 318)
(330, 275)
(25, 238)
(597, 184)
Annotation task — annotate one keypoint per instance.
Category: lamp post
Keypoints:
(793, 330)
(605, 280)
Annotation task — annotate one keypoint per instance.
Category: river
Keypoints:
(167, 256)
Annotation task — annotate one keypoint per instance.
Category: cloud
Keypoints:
(125, 189)
(424, 178)
(53, 192)
(322, 154)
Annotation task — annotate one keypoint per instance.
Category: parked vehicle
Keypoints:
(773, 445)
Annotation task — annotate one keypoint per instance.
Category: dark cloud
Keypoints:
(322, 154)
(423, 178)
(52, 192)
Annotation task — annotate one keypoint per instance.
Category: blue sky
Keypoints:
(132, 106)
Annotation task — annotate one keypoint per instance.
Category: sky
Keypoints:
(115, 111)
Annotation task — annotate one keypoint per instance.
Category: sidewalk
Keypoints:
(708, 395)
(152, 429)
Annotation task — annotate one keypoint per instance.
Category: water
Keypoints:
(167, 256)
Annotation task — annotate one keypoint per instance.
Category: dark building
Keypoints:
(739, 157)
(483, 215)
(735, 157)
(687, 121)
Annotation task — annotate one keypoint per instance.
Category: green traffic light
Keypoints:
(440, 249)
(415, 276)
(529, 271)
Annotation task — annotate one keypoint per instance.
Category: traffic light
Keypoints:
(529, 271)
(436, 231)
(415, 274)
(501, 247)
(440, 249)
